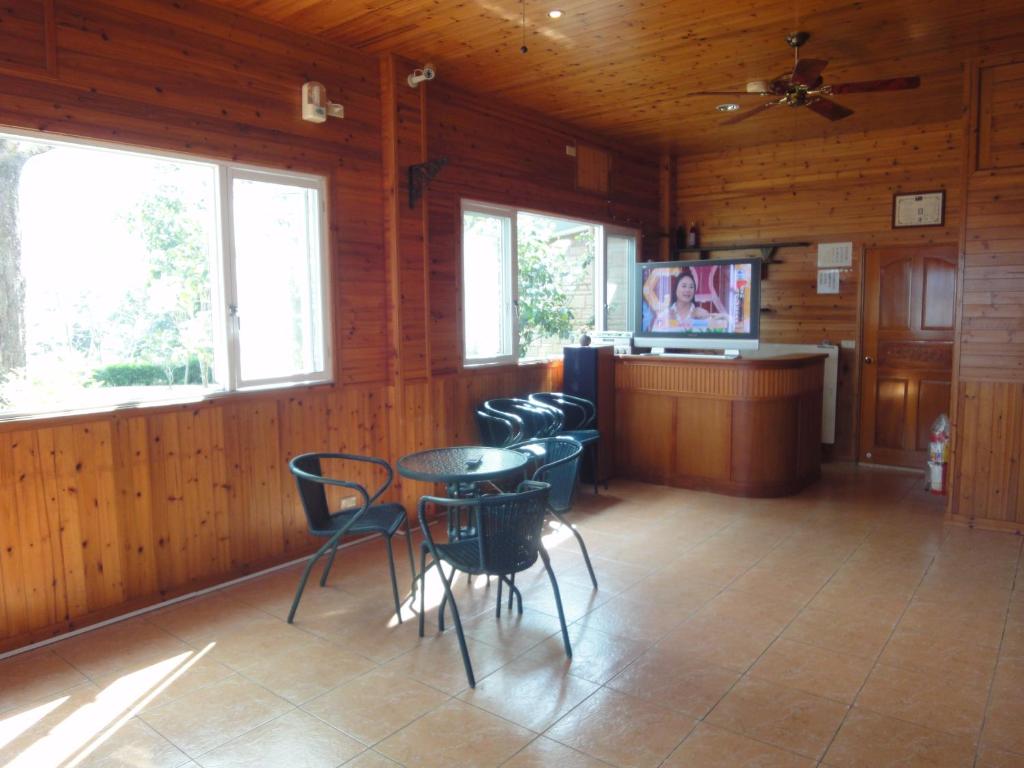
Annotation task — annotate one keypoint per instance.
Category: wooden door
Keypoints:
(907, 356)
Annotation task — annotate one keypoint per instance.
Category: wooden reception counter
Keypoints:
(746, 427)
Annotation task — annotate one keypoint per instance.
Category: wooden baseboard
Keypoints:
(983, 524)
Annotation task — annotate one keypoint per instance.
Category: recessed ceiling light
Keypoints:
(727, 107)
(555, 14)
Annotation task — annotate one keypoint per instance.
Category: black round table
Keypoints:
(461, 465)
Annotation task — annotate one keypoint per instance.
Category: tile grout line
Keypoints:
(892, 632)
(999, 656)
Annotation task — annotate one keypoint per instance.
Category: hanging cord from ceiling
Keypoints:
(524, 49)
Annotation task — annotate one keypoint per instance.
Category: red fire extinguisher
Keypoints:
(938, 455)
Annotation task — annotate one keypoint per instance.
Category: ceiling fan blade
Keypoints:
(750, 113)
(865, 86)
(807, 72)
(729, 93)
(829, 109)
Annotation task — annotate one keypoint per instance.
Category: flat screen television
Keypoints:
(712, 304)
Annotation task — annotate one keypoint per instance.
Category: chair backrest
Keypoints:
(498, 431)
(579, 413)
(537, 420)
(311, 481)
(509, 525)
(556, 462)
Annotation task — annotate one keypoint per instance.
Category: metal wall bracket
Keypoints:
(420, 175)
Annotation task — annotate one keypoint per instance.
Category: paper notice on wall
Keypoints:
(835, 256)
(828, 281)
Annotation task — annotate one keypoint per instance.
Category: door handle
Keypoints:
(869, 359)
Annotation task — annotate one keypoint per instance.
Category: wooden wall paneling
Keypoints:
(134, 505)
(829, 189)
(24, 25)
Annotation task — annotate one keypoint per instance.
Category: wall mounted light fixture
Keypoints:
(315, 106)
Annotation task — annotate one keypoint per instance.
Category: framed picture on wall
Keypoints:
(919, 209)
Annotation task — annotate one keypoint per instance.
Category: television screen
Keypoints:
(699, 299)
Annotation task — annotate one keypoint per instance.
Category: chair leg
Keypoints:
(583, 547)
(305, 577)
(423, 585)
(558, 601)
(593, 464)
(497, 605)
(327, 568)
(394, 581)
(412, 561)
(458, 628)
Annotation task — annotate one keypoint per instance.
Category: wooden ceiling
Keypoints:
(622, 69)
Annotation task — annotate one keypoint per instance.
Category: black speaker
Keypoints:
(589, 372)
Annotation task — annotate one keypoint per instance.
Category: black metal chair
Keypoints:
(537, 419)
(498, 431)
(579, 417)
(556, 461)
(510, 527)
(368, 517)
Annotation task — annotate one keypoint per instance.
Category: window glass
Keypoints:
(113, 286)
(277, 269)
(556, 271)
(487, 299)
(620, 255)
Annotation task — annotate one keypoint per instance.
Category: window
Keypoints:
(532, 282)
(129, 277)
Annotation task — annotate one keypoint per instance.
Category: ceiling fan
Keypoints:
(803, 87)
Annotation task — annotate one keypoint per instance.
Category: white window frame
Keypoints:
(511, 273)
(233, 314)
(510, 285)
(222, 276)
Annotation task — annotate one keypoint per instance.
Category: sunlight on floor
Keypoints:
(82, 731)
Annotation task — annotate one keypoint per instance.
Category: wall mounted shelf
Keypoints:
(767, 251)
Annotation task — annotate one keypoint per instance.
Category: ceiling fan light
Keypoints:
(730, 107)
(758, 86)
(555, 14)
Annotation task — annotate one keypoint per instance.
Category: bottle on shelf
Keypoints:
(692, 236)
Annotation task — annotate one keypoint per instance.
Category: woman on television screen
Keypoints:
(682, 310)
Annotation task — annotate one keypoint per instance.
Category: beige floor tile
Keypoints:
(244, 646)
(710, 747)
(596, 656)
(200, 620)
(300, 675)
(296, 740)
(783, 717)
(375, 705)
(370, 631)
(853, 603)
(667, 589)
(437, 661)
(989, 757)
(637, 620)
(949, 704)
(612, 576)
(513, 631)
(456, 734)
(622, 730)
(853, 635)
(215, 714)
(780, 583)
(134, 744)
(1004, 727)
(942, 655)
(542, 752)
(370, 759)
(669, 676)
(30, 676)
(755, 611)
(577, 601)
(530, 693)
(814, 670)
(721, 642)
(867, 740)
(123, 647)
